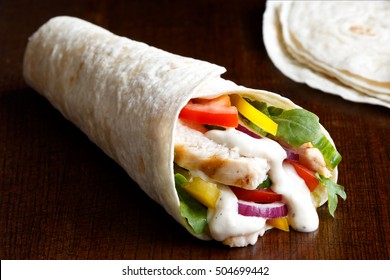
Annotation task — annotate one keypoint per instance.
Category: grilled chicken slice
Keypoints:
(210, 160)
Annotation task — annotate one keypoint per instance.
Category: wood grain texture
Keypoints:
(62, 198)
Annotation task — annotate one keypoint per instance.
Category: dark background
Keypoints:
(63, 198)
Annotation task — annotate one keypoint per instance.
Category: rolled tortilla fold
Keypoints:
(126, 97)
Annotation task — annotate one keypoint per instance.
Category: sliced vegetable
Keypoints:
(190, 209)
(194, 125)
(291, 155)
(269, 210)
(254, 127)
(295, 126)
(331, 155)
(262, 195)
(217, 111)
(206, 193)
(247, 131)
(180, 180)
(306, 174)
(254, 115)
(333, 190)
(220, 101)
(279, 223)
(265, 184)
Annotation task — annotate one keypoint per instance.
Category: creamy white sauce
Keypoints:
(248, 146)
(224, 221)
(302, 214)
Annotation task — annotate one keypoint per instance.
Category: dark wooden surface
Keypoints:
(62, 198)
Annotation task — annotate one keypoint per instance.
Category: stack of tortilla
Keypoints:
(338, 47)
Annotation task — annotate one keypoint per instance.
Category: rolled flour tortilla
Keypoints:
(126, 97)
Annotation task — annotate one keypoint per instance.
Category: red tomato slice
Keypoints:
(262, 196)
(195, 126)
(217, 111)
(223, 100)
(306, 174)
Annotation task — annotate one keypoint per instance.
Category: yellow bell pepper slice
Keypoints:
(279, 223)
(205, 192)
(254, 115)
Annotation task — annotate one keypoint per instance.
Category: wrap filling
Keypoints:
(243, 167)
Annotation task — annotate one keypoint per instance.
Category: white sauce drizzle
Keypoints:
(225, 222)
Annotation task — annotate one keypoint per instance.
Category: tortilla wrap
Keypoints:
(126, 97)
(335, 46)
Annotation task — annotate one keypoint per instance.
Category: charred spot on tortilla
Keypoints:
(73, 78)
(141, 165)
(362, 30)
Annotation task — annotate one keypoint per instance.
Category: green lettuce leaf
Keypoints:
(297, 127)
(265, 184)
(331, 155)
(192, 210)
(334, 190)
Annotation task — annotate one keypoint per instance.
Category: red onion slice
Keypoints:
(291, 155)
(247, 131)
(268, 211)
